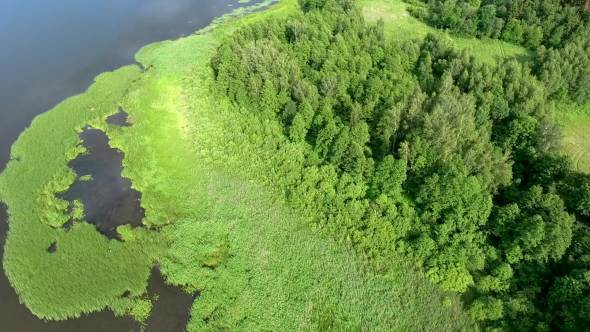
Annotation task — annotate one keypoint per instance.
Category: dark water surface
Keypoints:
(120, 119)
(53, 49)
(171, 309)
(109, 200)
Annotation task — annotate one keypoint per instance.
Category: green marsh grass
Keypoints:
(282, 276)
(238, 13)
(87, 177)
(87, 272)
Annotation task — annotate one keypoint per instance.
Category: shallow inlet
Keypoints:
(171, 311)
(109, 201)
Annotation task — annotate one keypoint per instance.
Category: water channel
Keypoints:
(53, 49)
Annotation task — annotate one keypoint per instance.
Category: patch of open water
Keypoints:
(120, 119)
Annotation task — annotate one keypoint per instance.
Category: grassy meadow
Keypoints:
(575, 120)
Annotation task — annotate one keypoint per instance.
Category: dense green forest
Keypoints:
(560, 29)
(305, 169)
(415, 148)
(531, 23)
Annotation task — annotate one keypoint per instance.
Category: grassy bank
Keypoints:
(87, 272)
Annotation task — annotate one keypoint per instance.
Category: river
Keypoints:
(53, 49)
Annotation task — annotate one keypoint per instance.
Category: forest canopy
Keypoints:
(420, 150)
(560, 30)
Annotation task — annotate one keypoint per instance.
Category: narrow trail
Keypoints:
(502, 49)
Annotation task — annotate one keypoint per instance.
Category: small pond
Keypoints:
(109, 200)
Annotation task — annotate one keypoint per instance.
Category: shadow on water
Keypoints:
(109, 200)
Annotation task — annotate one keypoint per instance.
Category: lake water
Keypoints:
(52, 49)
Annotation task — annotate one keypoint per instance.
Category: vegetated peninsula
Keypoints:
(328, 166)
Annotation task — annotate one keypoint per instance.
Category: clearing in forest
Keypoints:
(576, 130)
(400, 24)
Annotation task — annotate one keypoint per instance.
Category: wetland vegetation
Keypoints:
(109, 199)
(319, 166)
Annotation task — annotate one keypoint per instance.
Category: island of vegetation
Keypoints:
(330, 166)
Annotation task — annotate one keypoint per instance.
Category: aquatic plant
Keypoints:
(87, 177)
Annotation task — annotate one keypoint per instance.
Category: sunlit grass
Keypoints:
(282, 277)
(86, 272)
(575, 120)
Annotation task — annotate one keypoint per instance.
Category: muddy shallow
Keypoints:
(171, 309)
